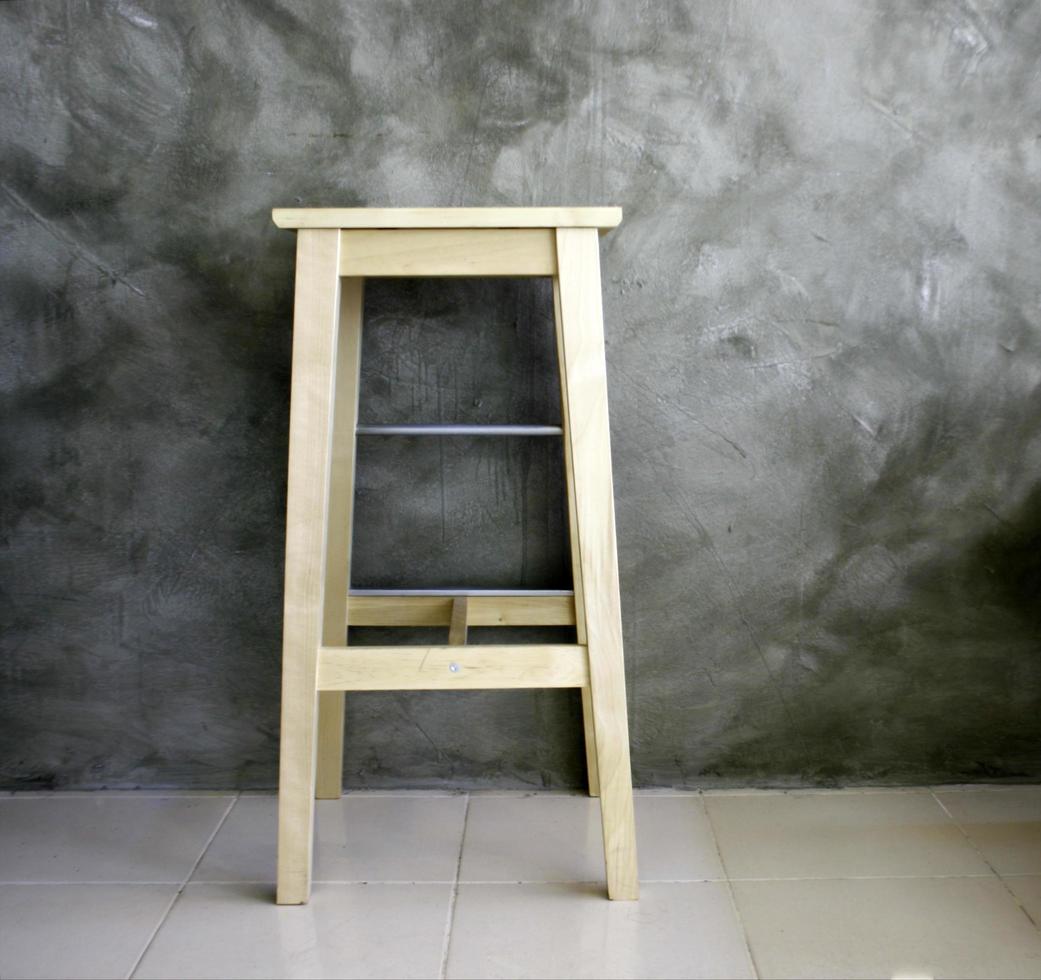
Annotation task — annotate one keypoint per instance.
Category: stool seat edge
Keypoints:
(602, 218)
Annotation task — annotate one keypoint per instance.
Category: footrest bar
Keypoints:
(443, 668)
(485, 607)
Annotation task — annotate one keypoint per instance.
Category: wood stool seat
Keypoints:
(337, 248)
(603, 219)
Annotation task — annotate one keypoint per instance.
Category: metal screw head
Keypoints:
(454, 667)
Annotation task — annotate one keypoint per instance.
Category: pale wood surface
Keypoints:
(588, 728)
(315, 320)
(448, 252)
(428, 668)
(596, 217)
(329, 778)
(328, 783)
(581, 321)
(317, 664)
(589, 734)
(457, 629)
(550, 610)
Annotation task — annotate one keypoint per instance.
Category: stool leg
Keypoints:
(329, 783)
(588, 728)
(584, 373)
(329, 764)
(589, 733)
(315, 323)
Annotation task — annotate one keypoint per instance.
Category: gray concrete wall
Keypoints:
(824, 350)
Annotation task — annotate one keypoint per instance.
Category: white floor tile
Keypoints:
(674, 840)
(1028, 890)
(572, 930)
(558, 838)
(1004, 823)
(345, 931)
(533, 838)
(865, 883)
(357, 838)
(841, 835)
(888, 927)
(109, 837)
(77, 930)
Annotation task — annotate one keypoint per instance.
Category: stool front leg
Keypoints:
(584, 379)
(311, 420)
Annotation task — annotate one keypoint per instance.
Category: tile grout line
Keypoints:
(180, 889)
(983, 858)
(450, 917)
(29, 795)
(588, 881)
(730, 890)
(662, 792)
(511, 881)
(350, 881)
(647, 791)
(862, 877)
(92, 883)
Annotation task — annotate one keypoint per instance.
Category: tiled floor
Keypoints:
(854, 883)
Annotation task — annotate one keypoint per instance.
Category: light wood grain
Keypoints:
(449, 252)
(429, 668)
(317, 664)
(588, 728)
(481, 610)
(315, 322)
(589, 735)
(457, 628)
(596, 217)
(581, 322)
(329, 779)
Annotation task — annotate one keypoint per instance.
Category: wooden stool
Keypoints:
(336, 249)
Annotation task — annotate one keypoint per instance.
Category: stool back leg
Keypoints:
(329, 783)
(315, 327)
(584, 374)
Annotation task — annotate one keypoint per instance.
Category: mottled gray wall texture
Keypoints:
(824, 353)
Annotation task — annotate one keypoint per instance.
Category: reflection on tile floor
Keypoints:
(890, 883)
